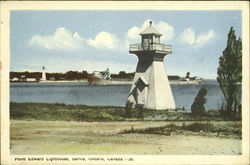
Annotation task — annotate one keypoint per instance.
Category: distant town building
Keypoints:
(105, 75)
(23, 78)
(150, 88)
(15, 79)
(30, 79)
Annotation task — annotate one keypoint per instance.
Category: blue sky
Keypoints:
(96, 40)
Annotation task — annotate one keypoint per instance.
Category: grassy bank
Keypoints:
(64, 112)
(226, 129)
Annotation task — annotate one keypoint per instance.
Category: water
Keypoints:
(115, 95)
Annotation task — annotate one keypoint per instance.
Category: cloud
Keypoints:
(104, 40)
(65, 40)
(188, 37)
(62, 39)
(204, 38)
(134, 32)
(164, 28)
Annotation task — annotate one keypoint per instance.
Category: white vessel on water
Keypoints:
(104, 78)
(188, 80)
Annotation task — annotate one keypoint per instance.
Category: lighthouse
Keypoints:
(150, 88)
(43, 74)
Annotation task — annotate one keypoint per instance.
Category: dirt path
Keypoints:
(54, 137)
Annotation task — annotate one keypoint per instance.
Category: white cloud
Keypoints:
(164, 28)
(62, 39)
(65, 40)
(134, 32)
(188, 37)
(104, 40)
(204, 38)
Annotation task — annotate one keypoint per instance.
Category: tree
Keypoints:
(197, 108)
(230, 72)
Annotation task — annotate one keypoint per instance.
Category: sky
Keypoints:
(95, 40)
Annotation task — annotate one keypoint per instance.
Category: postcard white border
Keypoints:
(5, 9)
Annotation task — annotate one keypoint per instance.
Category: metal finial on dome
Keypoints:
(150, 22)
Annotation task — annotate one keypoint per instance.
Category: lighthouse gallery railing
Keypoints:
(151, 47)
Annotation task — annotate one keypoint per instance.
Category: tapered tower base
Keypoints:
(151, 88)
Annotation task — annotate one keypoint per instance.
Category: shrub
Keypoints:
(197, 108)
(128, 109)
(196, 127)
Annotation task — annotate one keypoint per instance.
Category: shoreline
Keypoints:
(115, 82)
(78, 112)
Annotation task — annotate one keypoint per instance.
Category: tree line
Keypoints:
(74, 75)
(69, 75)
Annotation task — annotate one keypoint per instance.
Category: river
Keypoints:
(114, 95)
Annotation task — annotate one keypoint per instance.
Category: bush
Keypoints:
(197, 108)
(196, 127)
(140, 112)
(231, 129)
(128, 109)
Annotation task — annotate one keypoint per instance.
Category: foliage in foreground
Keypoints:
(231, 128)
(198, 108)
(230, 73)
(64, 112)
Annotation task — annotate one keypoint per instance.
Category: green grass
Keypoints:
(219, 129)
(65, 112)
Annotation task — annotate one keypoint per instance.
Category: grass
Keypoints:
(65, 112)
(101, 138)
(218, 129)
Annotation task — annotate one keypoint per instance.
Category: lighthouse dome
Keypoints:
(150, 30)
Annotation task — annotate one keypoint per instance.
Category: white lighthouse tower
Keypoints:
(43, 74)
(150, 88)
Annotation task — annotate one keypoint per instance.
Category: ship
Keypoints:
(104, 78)
(186, 80)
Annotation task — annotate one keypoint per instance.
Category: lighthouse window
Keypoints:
(157, 40)
(150, 39)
